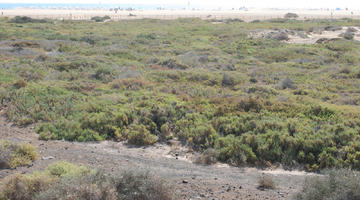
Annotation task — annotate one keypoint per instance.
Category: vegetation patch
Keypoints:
(333, 184)
(16, 155)
(249, 101)
(67, 181)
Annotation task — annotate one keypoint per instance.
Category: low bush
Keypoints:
(139, 135)
(227, 80)
(16, 155)
(335, 184)
(129, 84)
(286, 83)
(66, 181)
(24, 19)
(233, 150)
(291, 15)
(266, 181)
(208, 157)
(100, 19)
(36, 103)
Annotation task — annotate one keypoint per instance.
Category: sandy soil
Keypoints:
(249, 15)
(303, 37)
(313, 37)
(169, 161)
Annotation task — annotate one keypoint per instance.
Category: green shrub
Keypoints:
(36, 103)
(250, 104)
(24, 19)
(139, 135)
(104, 74)
(16, 155)
(233, 150)
(129, 84)
(100, 19)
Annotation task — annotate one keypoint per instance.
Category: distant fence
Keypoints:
(245, 17)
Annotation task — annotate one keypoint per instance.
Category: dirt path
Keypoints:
(192, 181)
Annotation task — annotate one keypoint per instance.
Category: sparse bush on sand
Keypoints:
(66, 181)
(334, 184)
(266, 181)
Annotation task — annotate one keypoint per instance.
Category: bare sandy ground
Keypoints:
(248, 15)
(303, 37)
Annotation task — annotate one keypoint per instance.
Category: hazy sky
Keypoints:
(354, 4)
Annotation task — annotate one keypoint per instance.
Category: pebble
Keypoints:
(47, 158)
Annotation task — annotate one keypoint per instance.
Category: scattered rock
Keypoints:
(348, 35)
(47, 158)
(333, 28)
(280, 36)
(351, 30)
(326, 40)
(4, 165)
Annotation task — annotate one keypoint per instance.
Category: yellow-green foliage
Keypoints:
(63, 169)
(139, 135)
(15, 155)
(26, 186)
(64, 180)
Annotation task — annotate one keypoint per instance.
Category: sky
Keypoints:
(353, 4)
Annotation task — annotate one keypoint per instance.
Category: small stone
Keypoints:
(47, 158)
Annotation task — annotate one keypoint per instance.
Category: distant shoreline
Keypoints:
(246, 15)
(107, 6)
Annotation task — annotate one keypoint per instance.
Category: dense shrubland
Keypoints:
(253, 101)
